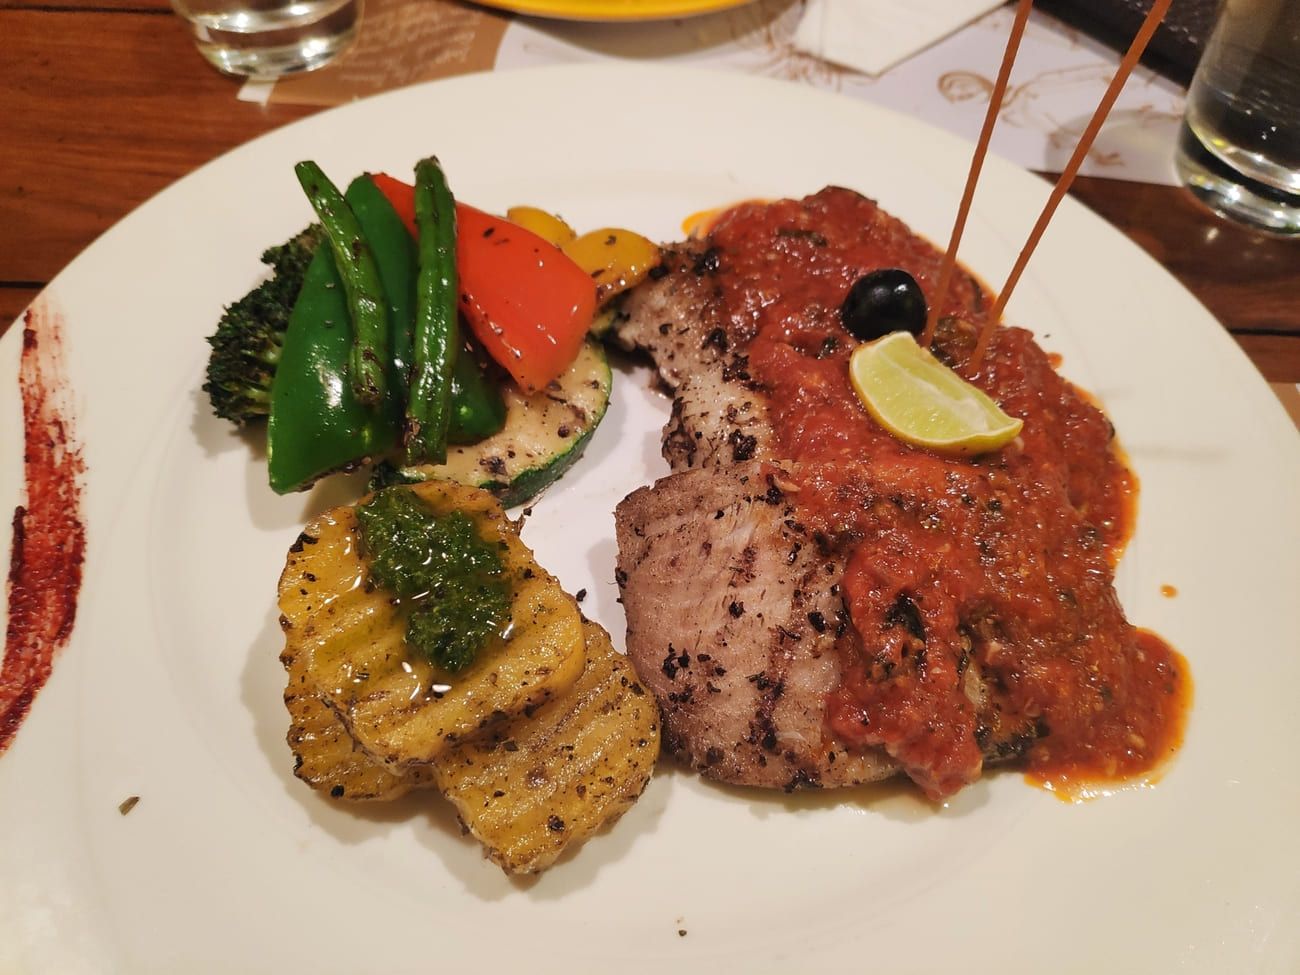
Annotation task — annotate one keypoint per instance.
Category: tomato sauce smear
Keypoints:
(49, 534)
(980, 589)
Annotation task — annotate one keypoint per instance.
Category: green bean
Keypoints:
(436, 336)
(362, 286)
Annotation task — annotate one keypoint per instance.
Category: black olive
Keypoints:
(884, 301)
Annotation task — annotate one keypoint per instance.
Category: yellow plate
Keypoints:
(613, 9)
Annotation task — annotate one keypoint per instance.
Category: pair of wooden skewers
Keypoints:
(1130, 60)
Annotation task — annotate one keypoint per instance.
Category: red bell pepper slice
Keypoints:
(528, 303)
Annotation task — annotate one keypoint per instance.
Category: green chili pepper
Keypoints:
(369, 357)
(317, 425)
(436, 338)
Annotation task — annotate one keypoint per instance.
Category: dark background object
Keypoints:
(1178, 42)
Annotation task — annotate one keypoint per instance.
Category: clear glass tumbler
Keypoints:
(269, 38)
(1239, 148)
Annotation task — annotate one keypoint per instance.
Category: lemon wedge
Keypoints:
(921, 401)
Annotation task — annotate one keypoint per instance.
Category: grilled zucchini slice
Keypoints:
(541, 782)
(544, 435)
(349, 638)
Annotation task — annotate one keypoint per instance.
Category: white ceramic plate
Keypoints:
(170, 688)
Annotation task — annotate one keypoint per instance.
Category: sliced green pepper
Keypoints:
(317, 425)
(477, 409)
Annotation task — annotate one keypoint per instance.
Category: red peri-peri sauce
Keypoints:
(49, 534)
(980, 589)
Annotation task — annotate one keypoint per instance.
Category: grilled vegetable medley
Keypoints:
(457, 355)
(413, 333)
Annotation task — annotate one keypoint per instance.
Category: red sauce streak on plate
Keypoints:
(980, 589)
(49, 535)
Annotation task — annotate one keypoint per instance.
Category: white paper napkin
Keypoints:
(874, 35)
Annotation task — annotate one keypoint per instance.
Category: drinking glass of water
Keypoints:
(1239, 148)
(269, 38)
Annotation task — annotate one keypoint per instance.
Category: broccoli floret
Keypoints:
(246, 345)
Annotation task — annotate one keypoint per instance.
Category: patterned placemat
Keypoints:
(402, 42)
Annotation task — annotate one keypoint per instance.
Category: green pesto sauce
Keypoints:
(451, 580)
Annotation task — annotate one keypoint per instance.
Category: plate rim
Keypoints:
(1260, 384)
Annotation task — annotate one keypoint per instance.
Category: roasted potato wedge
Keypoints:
(538, 783)
(399, 707)
(327, 758)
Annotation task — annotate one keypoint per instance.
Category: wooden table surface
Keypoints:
(105, 102)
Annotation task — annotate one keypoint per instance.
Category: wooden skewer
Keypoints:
(1062, 187)
(976, 164)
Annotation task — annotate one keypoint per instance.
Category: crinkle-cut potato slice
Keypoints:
(539, 783)
(327, 758)
(350, 637)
